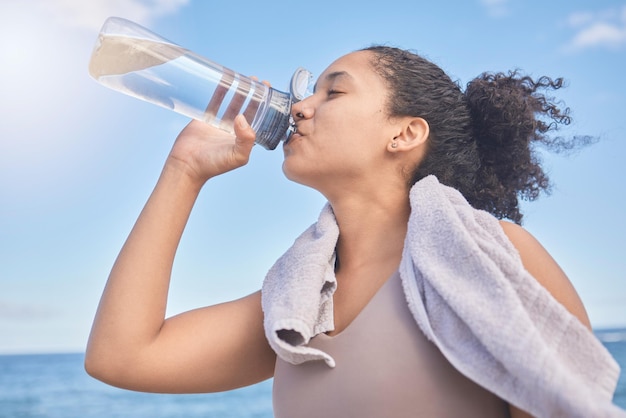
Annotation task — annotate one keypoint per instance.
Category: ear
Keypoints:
(413, 134)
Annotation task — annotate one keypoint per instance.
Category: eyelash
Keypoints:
(331, 92)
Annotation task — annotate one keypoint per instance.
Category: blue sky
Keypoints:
(77, 160)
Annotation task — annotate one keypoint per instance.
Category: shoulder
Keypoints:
(545, 269)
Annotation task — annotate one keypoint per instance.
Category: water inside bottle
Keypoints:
(178, 79)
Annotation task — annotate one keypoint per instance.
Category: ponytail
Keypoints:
(510, 114)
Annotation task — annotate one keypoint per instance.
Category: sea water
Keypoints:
(56, 386)
(180, 80)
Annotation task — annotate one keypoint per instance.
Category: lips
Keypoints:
(292, 137)
(296, 133)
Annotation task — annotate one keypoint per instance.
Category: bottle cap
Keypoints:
(300, 87)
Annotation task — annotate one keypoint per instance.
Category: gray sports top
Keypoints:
(385, 368)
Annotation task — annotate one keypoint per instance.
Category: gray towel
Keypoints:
(297, 294)
(470, 295)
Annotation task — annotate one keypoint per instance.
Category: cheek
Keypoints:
(361, 119)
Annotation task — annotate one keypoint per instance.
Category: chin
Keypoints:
(291, 172)
(288, 170)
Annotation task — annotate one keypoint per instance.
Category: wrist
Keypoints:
(181, 171)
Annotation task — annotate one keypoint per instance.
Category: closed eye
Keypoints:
(334, 92)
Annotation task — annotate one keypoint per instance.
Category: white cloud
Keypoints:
(91, 14)
(496, 8)
(578, 19)
(600, 34)
(603, 29)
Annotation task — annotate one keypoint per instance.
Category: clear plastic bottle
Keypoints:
(133, 60)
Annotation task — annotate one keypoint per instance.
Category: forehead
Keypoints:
(355, 67)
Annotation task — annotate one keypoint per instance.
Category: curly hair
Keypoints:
(481, 140)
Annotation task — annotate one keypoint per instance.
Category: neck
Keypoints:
(372, 228)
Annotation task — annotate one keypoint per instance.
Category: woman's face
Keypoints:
(343, 128)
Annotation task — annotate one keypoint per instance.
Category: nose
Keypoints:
(302, 110)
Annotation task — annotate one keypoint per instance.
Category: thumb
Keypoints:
(245, 134)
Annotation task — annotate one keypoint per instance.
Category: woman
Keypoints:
(379, 120)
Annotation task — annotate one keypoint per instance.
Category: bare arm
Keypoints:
(546, 271)
(211, 349)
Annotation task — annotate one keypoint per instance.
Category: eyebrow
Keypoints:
(330, 77)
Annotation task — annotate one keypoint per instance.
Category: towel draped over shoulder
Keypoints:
(470, 295)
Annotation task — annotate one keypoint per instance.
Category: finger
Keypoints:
(245, 134)
(255, 78)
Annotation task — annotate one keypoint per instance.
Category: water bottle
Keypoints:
(133, 60)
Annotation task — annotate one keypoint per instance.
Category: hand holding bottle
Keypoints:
(205, 151)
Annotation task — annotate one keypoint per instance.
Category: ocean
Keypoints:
(56, 386)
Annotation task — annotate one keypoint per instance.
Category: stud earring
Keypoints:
(394, 144)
